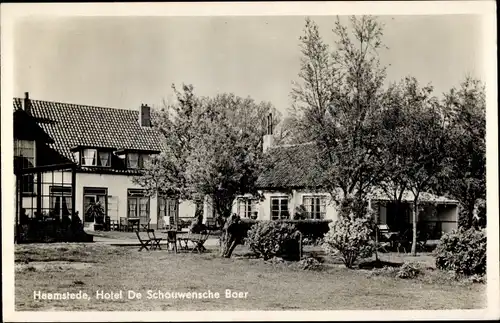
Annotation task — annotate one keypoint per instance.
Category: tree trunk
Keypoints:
(198, 213)
(414, 235)
(231, 236)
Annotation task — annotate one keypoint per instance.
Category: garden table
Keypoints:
(133, 222)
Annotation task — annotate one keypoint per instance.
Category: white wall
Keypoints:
(294, 199)
(117, 186)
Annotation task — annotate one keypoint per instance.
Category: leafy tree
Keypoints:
(227, 154)
(466, 120)
(338, 94)
(413, 143)
(213, 147)
(165, 174)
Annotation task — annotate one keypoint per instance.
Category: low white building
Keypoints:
(288, 184)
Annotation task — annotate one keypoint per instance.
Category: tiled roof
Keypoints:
(72, 125)
(293, 166)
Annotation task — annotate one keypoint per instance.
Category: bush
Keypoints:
(312, 230)
(462, 251)
(52, 229)
(408, 271)
(310, 264)
(386, 271)
(274, 239)
(351, 238)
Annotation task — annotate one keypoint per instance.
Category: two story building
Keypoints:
(68, 156)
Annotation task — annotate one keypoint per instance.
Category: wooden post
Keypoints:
(73, 192)
(39, 192)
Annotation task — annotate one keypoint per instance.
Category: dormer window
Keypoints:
(89, 157)
(95, 157)
(104, 159)
(132, 160)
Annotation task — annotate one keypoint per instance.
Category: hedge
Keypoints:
(312, 230)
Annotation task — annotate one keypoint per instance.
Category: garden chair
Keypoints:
(155, 242)
(145, 226)
(172, 240)
(123, 225)
(199, 240)
(145, 243)
(384, 237)
(183, 241)
(401, 241)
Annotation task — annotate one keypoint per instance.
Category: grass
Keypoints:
(91, 267)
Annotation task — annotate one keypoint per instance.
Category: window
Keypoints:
(132, 160)
(24, 151)
(138, 205)
(104, 159)
(92, 195)
(167, 212)
(315, 206)
(143, 160)
(60, 200)
(246, 207)
(89, 157)
(279, 208)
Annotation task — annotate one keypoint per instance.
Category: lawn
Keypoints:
(93, 267)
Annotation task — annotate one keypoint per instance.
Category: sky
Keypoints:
(125, 61)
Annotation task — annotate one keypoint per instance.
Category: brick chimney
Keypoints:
(268, 139)
(27, 103)
(145, 116)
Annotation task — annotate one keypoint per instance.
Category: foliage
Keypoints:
(312, 230)
(53, 229)
(95, 213)
(408, 271)
(339, 92)
(351, 238)
(465, 108)
(413, 143)
(462, 251)
(310, 264)
(300, 213)
(227, 154)
(213, 147)
(274, 239)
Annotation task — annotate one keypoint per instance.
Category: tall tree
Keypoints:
(339, 92)
(213, 147)
(227, 154)
(465, 108)
(165, 174)
(414, 141)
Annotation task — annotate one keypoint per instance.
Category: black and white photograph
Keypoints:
(241, 162)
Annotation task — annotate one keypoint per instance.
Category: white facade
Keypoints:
(117, 187)
(295, 198)
(446, 215)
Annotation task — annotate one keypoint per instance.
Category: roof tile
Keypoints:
(71, 125)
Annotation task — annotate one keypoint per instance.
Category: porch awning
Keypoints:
(408, 196)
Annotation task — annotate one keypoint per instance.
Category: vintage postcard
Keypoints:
(249, 161)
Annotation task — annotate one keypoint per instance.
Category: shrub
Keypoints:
(385, 271)
(312, 230)
(274, 239)
(310, 264)
(408, 271)
(462, 251)
(351, 238)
